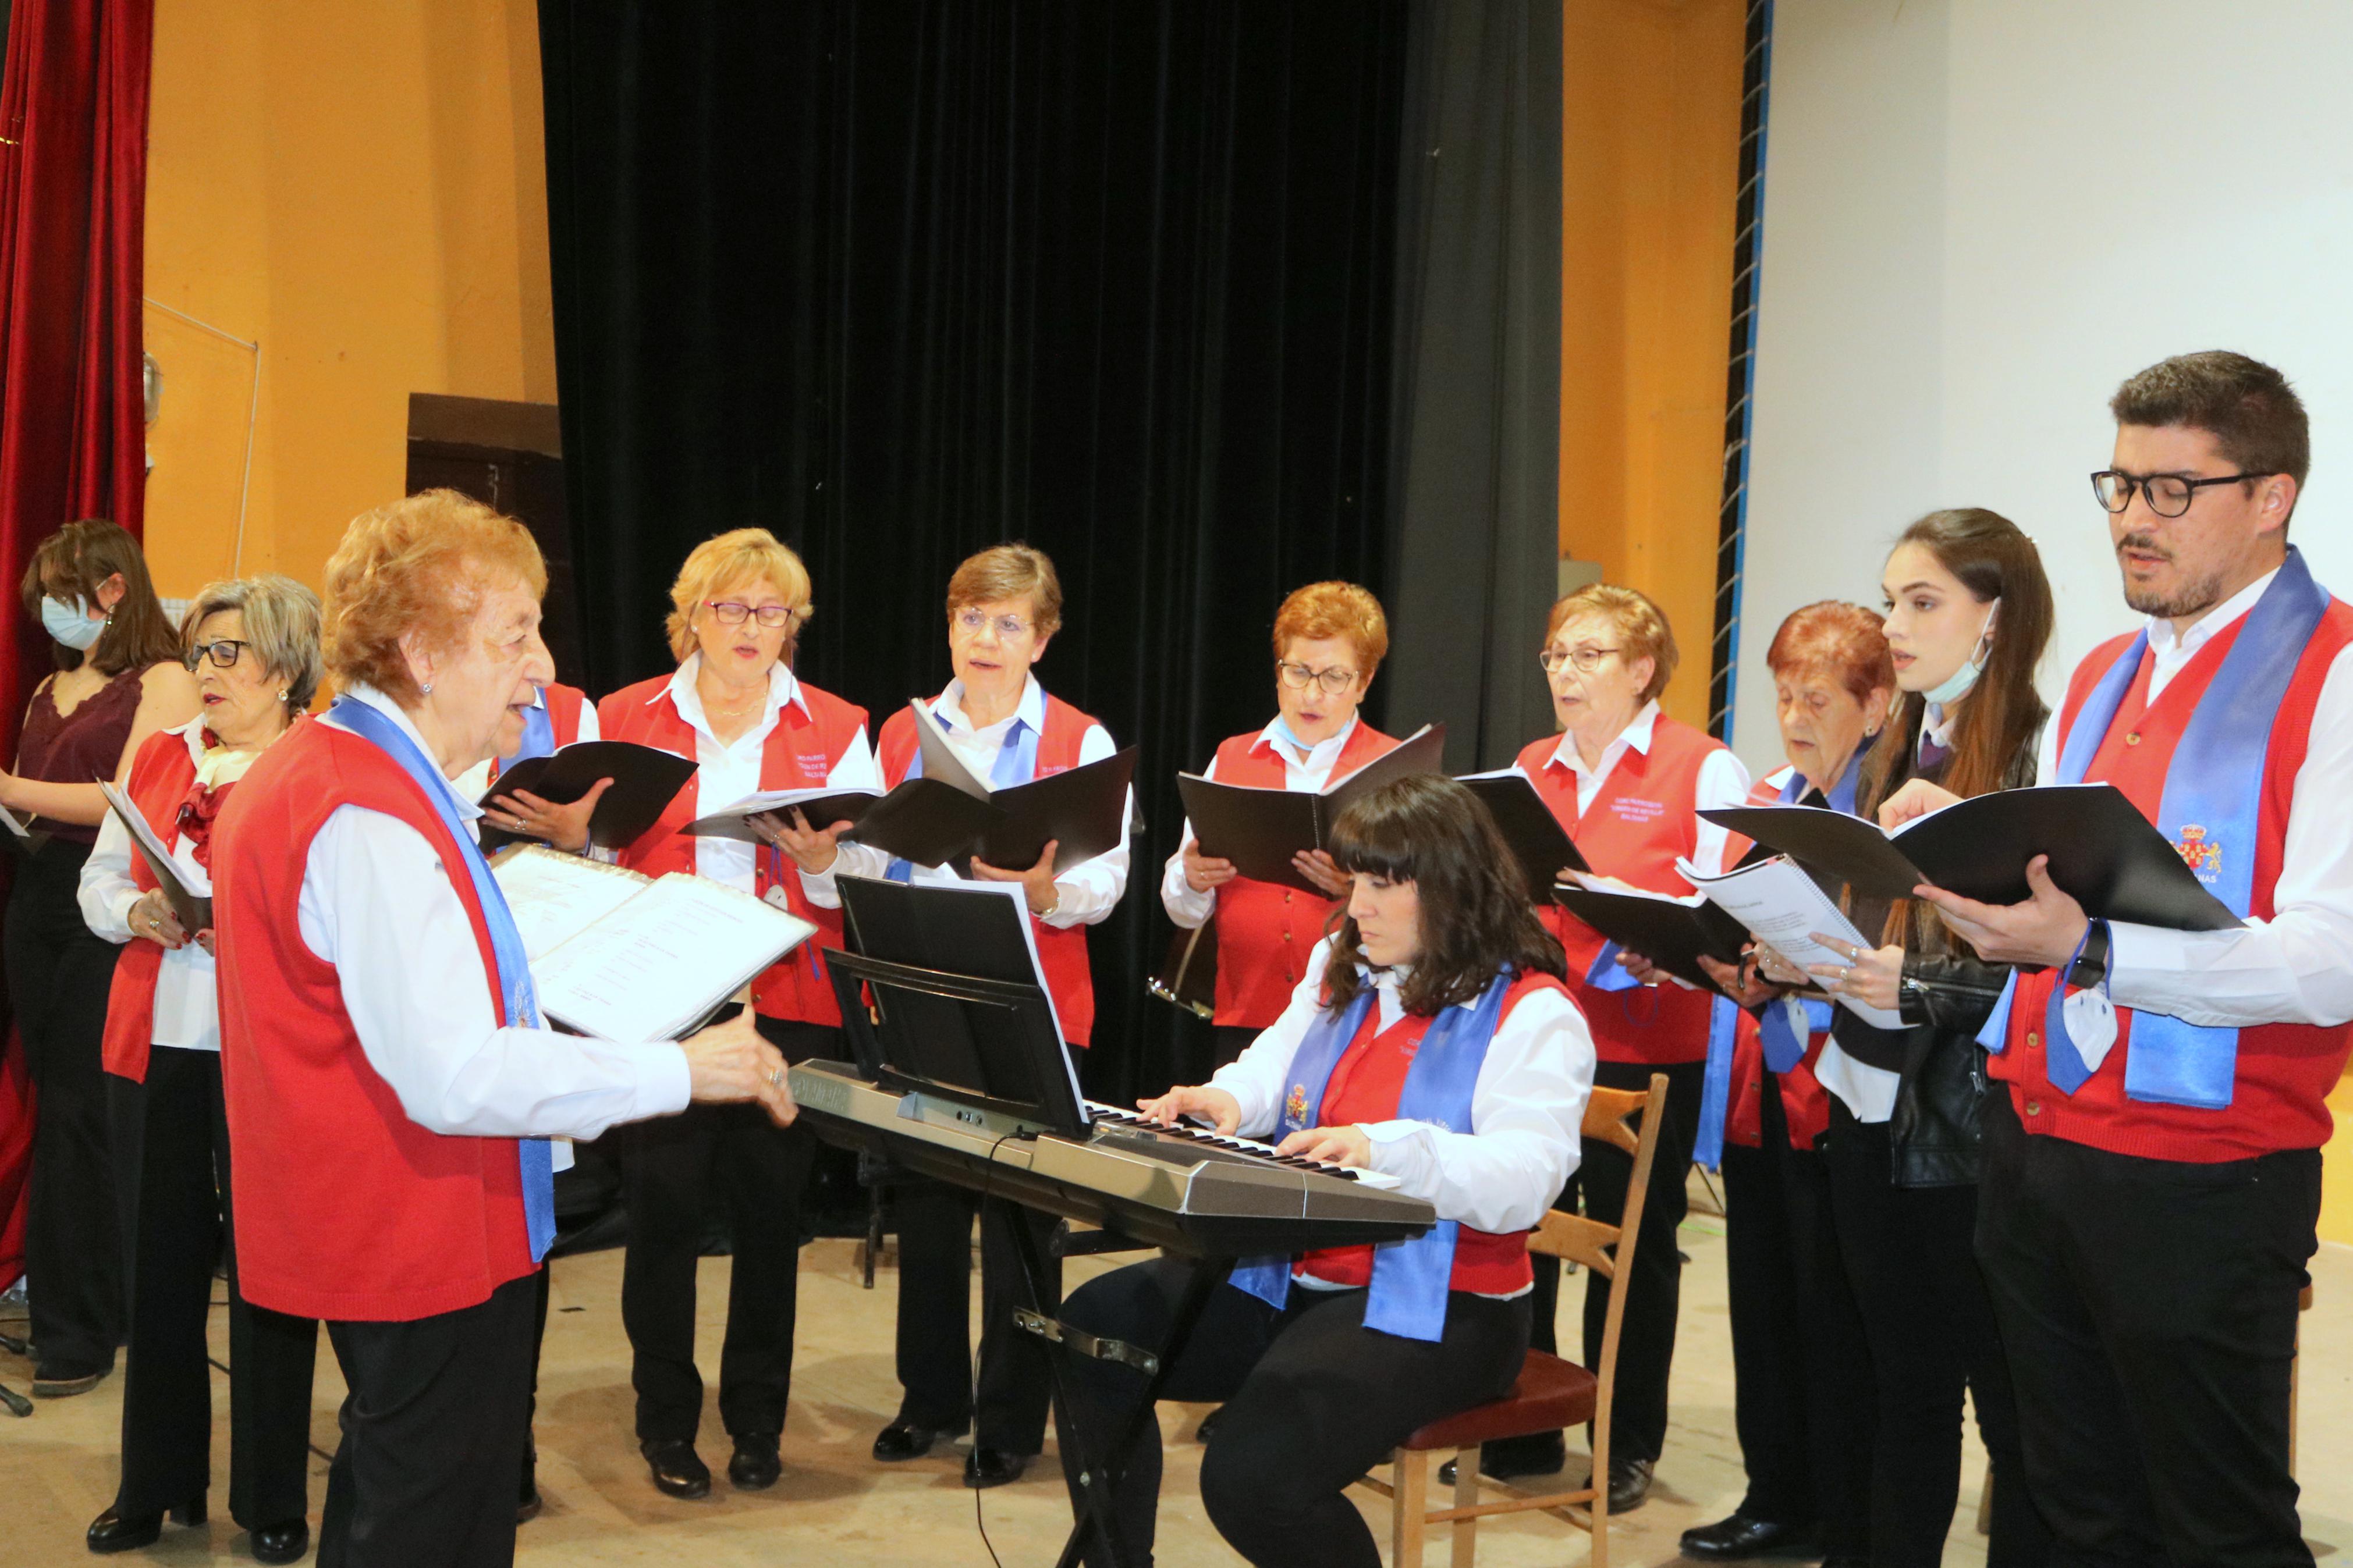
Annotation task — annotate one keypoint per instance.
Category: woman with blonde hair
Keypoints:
(391, 1089)
(253, 647)
(1329, 640)
(118, 681)
(734, 705)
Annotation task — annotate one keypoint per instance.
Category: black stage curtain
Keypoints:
(902, 281)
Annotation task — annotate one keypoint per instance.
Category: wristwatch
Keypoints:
(2091, 966)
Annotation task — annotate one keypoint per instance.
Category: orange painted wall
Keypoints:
(1650, 158)
(361, 189)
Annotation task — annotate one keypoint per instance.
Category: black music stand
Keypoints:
(993, 1042)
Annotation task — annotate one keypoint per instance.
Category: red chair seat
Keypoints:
(1549, 1393)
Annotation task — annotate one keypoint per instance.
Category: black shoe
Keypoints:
(1515, 1456)
(114, 1532)
(1629, 1483)
(1201, 1433)
(756, 1466)
(1740, 1536)
(287, 1542)
(48, 1385)
(527, 1501)
(678, 1469)
(992, 1467)
(903, 1441)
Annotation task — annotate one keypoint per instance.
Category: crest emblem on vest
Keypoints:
(1296, 1107)
(2200, 853)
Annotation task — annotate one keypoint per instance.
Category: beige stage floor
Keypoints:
(835, 1506)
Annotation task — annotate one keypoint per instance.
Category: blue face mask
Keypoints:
(67, 622)
(1956, 686)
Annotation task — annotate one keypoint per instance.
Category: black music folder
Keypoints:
(645, 780)
(1260, 828)
(948, 816)
(2104, 853)
(821, 808)
(1541, 846)
(1670, 934)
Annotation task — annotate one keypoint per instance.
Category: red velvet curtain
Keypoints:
(73, 197)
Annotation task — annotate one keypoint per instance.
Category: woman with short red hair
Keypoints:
(1329, 640)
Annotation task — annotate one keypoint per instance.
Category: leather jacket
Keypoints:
(1936, 1129)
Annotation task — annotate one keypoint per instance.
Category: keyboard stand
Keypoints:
(1100, 1469)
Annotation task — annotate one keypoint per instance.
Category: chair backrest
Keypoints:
(1608, 1115)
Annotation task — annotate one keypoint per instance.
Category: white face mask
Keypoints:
(1956, 686)
(69, 624)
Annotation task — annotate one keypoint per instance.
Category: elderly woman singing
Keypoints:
(389, 1085)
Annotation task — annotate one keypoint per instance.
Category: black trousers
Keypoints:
(2150, 1308)
(1802, 1394)
(58, 979)
(1007, 1405)
(1313, 1400)
(1930, 1321)
(433, 1435)
(172, 1155)
(1646, 1334)
(762, 1173)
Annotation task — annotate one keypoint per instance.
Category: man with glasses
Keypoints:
(2152, 1178)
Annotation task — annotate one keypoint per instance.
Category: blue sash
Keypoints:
(1016, 763)
(538, 735)
(506, 942)
(2213, 808)
(1409, 1277)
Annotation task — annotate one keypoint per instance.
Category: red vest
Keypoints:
(1643, 820)
(1805, 1103)
(346, 1209)
(1265, 929)
(800, 753)
(2284, 1070)
(564, 704)
(1365, 1085)
(1062, 952)
(160, 777)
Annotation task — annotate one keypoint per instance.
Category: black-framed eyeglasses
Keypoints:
(732, 615)
(1585, 660)
(1297, 677)
(222, 653)
(2168, 495)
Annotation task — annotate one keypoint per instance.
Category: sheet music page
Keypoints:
(9, 820)
(651, 968)
(939, 753)
(1783, 909)
(187, 903)
(784, 800)
(554, 897)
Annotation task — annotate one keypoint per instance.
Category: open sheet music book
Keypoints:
(1782, 908)
(820, 808)
(645, 780)
(1670, 933)
(194, 913)
(2104, 853)
(1260, 828)
(16, 835)
(623, 956)
(1541, 846)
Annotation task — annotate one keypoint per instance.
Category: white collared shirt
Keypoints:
(187, 1010)
(2297, 966)
(1722, 782)
(726, 772)
(377, 904)
(1087, 892)
(1525, 1108)
(1302, 773)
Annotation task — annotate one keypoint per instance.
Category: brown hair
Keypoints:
(2002, 714)
(1643, 629)
(2254, 416)
(744, 556)
(1322, 610)
(1013, 571)
(70, 563)
(1476, 919)
(418, 565)
(1844, 641)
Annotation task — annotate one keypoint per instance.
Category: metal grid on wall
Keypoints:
(1747, 243)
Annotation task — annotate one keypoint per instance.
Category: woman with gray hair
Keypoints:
(253, 645)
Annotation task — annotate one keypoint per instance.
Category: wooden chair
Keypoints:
(1550, 1393)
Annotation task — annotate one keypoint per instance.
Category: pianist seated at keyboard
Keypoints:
(1433, 1041)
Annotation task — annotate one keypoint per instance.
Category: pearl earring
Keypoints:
(427, 690)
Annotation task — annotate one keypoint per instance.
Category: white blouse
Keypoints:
(187, 1009)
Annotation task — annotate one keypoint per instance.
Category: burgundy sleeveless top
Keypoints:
(80, 747)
